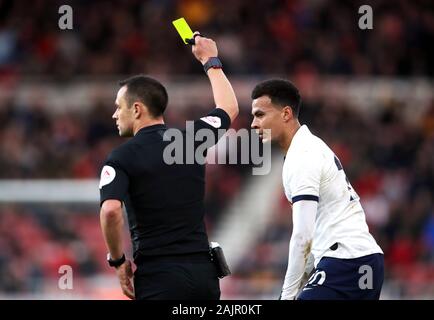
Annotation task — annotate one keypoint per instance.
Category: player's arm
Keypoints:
(310, 265)
(303, 216)
(112, 224)
(113, 189)
(224, 95)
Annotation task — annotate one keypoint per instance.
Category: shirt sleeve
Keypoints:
(306, 177)
(113, 181)
(299, 263)
(215, 124)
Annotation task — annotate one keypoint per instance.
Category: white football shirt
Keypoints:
(312, 172)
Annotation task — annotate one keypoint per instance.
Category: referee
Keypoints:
(164, 203)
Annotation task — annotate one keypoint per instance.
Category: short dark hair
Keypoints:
(281, 92)
(148, 91)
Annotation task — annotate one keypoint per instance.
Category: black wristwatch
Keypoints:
(115, 263)
(212, 62)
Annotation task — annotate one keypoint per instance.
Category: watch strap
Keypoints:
(115, 263)
(212, 62)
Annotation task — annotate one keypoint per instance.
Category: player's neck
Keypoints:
(288, 135)
(147, 123)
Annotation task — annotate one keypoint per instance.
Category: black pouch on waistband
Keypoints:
(219, 260)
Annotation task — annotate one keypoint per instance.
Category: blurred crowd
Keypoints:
(389, 162)
(254, 37)
(35, 241)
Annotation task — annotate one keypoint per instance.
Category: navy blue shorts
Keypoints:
(354, 279)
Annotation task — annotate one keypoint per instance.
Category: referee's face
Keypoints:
(266, 116)
(124, 115)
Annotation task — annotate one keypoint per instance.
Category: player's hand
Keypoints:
(125, 275)
(204, 48)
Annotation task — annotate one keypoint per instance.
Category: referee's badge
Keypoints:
(216, 122)
(107, 175)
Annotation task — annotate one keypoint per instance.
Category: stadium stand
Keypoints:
(387, 153)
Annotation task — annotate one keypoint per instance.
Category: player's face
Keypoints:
(123, 114)
(266, 116)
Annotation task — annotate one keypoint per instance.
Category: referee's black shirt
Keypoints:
(164, 203)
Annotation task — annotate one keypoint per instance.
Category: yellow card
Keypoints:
(183, 29)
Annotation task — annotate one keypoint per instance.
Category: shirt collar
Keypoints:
(302, 132)
(152, 128)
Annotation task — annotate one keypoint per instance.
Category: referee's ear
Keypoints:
(138, 109)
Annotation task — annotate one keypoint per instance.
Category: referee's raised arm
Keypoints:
(205, 50)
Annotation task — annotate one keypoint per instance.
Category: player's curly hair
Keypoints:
(281, 92)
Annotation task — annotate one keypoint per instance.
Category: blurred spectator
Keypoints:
(389, 161)
(127, 37)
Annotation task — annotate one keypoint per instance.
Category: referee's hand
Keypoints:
(204, 48)
(125, 275)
